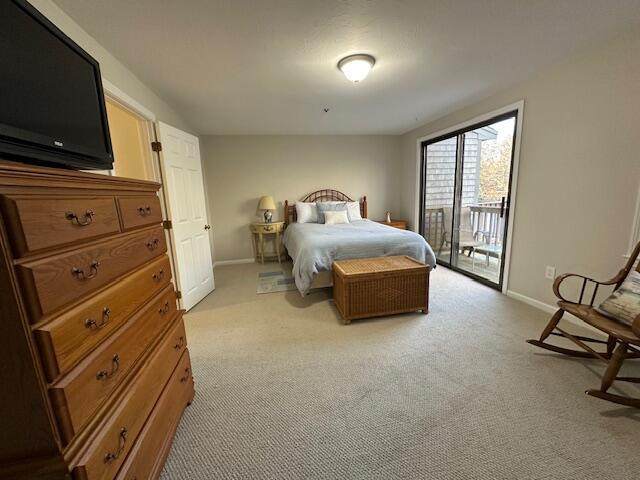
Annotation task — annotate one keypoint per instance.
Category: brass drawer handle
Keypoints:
(186, 376)
(158, 276)
(80, 275)
(115, 365)
(268, 228)
(144, 211)
(122, 439)
(180, 343)
(92, 324)
(153, 244)
(164, 309)
(88, 218)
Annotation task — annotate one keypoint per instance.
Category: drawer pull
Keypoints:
(268, 228)
(88, 218)
(144, 211)
(164, 309)
(115, 365)
(153, 244)
(186, 376)
(180, 343)
(122, 439)
(80, 275)
(158, 276)
(92, 324)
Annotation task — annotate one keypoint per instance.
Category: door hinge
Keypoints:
(167, 225)
(156, 146)
(178, 294)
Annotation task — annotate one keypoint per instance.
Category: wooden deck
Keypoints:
(476, 264)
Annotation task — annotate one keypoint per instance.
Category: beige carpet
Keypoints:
(284, 391)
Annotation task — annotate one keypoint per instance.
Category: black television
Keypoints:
(52, 109)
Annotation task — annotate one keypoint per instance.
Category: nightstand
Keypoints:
(258, 232)
(401, 224)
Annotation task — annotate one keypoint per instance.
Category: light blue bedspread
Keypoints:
(315, 246)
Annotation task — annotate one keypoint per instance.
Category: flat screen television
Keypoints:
(52, 108)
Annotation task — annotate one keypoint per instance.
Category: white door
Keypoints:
(182, 173)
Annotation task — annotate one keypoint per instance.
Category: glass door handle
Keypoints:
(502, 205)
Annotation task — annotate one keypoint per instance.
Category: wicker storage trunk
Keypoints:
(371, 287)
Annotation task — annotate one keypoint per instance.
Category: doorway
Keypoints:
(150, 150)
(466, 196)
(131, 137)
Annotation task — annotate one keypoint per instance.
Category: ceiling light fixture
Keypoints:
(356, 67)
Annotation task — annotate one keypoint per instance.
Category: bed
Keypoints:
(313, 247)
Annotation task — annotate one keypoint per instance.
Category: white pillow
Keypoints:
(335, 217)
(353, 210)
(306, 212)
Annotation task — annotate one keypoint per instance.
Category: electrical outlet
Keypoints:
(549, 272)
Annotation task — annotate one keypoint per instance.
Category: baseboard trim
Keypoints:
(545, 307)
(237, 261)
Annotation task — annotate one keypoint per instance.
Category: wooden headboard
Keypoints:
(326, 195)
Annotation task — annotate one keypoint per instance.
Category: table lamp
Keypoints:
(268, 205)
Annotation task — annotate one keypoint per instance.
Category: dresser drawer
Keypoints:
(77, 395)
(152, 446)
(139, 211)
(106, 452)
(67, 339)
(59, 280)
(37, 223)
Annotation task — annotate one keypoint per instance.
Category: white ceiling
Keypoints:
(269, 66)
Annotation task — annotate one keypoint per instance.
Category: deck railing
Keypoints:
(487, 221)
(487, 224)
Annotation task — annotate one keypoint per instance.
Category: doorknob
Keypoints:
(207, 227)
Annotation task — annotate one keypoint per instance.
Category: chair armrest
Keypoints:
(561, 278)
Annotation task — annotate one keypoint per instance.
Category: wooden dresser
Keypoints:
(95, 371)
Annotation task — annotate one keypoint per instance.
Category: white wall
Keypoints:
(579, 165)
(239, 169)
(110, 67)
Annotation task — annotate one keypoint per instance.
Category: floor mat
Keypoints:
(269, 282)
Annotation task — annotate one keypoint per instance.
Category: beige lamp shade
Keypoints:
(266, 203)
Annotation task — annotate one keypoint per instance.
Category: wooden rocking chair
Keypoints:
(623, 340)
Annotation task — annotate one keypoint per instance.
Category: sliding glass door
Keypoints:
(465, 193)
